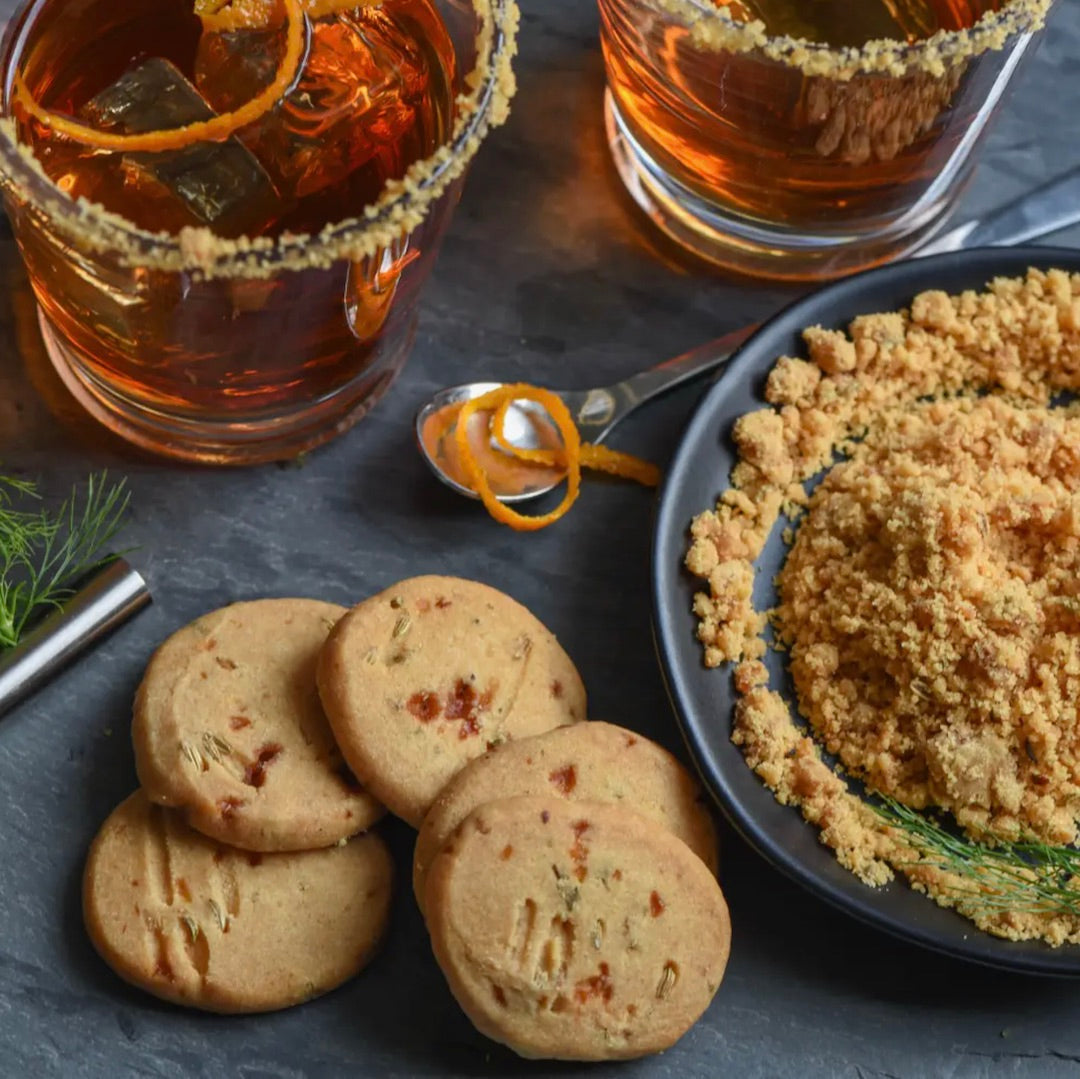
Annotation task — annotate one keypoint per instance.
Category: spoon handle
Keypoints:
(597, 411)
(1049, 208)
(1054, 206)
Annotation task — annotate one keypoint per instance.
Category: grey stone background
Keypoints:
(547, 274)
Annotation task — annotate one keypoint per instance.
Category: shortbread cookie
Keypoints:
(429, 674)
(576, 930)
(202, 924)
(228, 727)
(595, 762)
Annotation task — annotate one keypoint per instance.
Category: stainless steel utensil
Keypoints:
(109, 598)
(1054, 206)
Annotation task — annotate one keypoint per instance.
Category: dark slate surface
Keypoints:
(547, 275)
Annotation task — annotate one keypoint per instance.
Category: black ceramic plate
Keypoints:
(703, 699)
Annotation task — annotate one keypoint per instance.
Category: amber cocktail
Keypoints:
(805, 138)
(240, 298)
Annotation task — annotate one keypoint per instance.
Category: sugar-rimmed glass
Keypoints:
(792, 159)
(285, 342)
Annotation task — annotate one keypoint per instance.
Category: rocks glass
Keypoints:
(182, 333)
(778, 156)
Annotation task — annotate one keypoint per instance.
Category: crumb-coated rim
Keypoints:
(400, 208)
(713, 28)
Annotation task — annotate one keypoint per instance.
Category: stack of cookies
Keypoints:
(227, 882)
(566, 869)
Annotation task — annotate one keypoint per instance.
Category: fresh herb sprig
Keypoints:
(1021, 877)
(44, 552)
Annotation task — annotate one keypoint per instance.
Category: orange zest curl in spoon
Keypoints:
(598, 458)
(218, 129)
(573, 456)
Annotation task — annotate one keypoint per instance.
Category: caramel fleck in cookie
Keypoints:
(464, 705)
(599, 985)
(229, 729)
(564, 779)
(197, 923)
(473, 670)
(549, 981)
(425, 706)
(579, 851)
(592, 761)
(255, 772)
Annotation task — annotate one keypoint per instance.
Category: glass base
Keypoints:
(751, 247)
(225, 442)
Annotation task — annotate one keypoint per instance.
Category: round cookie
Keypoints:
(429, 674)
(596, 762)
(576, 930)
(198, 923)
(229, 728)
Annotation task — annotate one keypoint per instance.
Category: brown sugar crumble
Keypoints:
(930, 603)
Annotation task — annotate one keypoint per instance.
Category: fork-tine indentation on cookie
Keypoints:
(302, 690)
(217, 752)
(522, 937)
(228, 886)
(557, 952)
(596, 936)
(196, 946)
(522, 656)
(159, 857)
(163, 967)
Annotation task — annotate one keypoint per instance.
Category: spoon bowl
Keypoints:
(529, 426)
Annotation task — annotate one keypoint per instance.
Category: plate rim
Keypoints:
(669, 579)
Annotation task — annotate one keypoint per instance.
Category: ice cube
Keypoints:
(220, 185)
(361, 92)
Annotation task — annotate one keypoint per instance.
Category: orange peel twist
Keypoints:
(625, 465)
(573, 456)
(218, 129)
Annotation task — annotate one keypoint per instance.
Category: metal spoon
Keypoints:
(1055, 205)
(596, 412)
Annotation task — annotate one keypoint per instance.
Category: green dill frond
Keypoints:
(1022, 877)
(43, 553)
